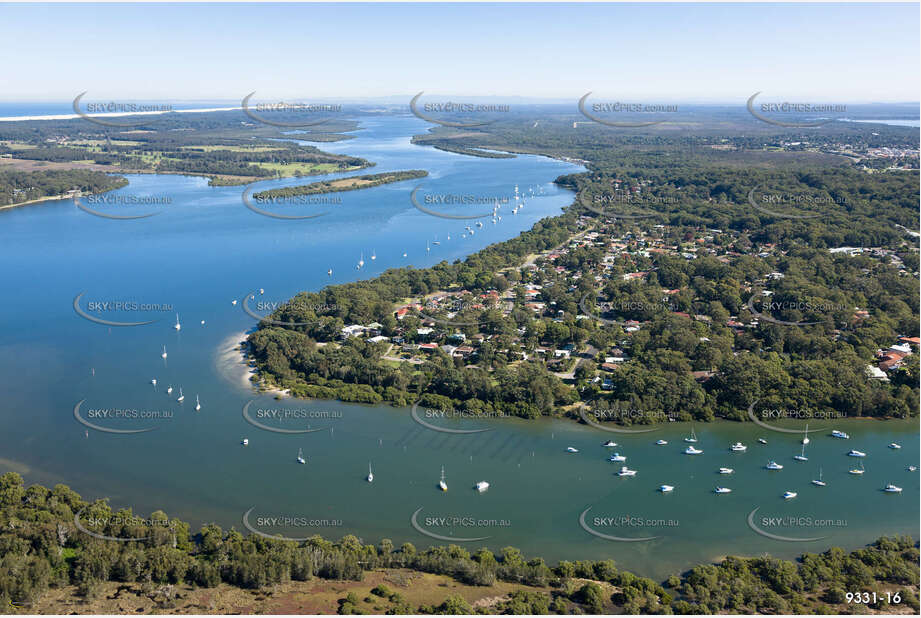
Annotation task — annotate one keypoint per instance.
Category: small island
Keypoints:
(352, 183)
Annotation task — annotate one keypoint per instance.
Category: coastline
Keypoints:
(232, 363)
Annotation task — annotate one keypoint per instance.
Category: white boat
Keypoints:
(692, 437)
(244, 441)
(442, 485)
(802, 455)
(330, 271)
(164, 352)
(482, 486)
(855, 453)
(479, 224)
(154, 381)
(788, 495)
(661, 442)
(617, 457)
(261, 291)
(373, 255)
(370, 477)
(806, 435)
(773, 465)
(839, 434)
(738, 447)
(169, 389)
(202, 322)
(895, 445)
(912, 468)
(892, 489)
(819, 480)
(571, 449)
(177, 326)
(361, 262)
(726, 470)
(666, 488)
(181, 396)
(857, 470)
(722, 490)
(197, 403)
(625, 471)
(300, 454)
(762, 441)
(690, 450)
(610, 443)
(233, 302)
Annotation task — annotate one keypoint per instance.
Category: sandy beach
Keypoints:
(233, 365)
(115, 114)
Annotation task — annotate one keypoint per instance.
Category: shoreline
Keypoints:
(118, 114)
(233, 364)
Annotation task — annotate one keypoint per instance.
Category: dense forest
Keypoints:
(44, 544)
(17, 186)
(352, 183)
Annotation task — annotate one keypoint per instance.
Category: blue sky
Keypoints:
(848, 53)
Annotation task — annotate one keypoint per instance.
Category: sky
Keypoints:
(848, 53)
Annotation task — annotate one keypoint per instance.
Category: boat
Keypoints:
(330, 271)
(912, 468)
(802, 455)
(773, 465)
(361, 261)
(839, 434)
(261, 290)
(857, 470)
(300, 456)
(788, 495)
(244, 441)
(666, 488)
(726, 470)
(154, 381)
(571, 449)
(197, 403)
(373, 255)
(617, 457)
(177, 326)
(169, 389)
(690, 450)
(692, 437)
(442, 485)
(892, 489)
(370, 477)
(895, 445)
(806, 435)
(819, 480)
(482, 486)
(610, 443)
(202, 322)
(164, 352)
(738, 447)
(625, 471)
(856, 453)
(233, 302)
(722, 490)
(661, 442)
(479, 224)
(181, 396)
(762, 441)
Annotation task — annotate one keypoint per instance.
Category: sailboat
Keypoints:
(164, 352)
(373, 254)
(197, 403)
(361, 262)
(802, 455)
(300, 456)
(442, 485)
(181, 396)
(692, 437)
(806, 435)
(330, 272)
(427, 248)
(859, 470)
(370, 478)
(169, 389)
(154, 381)
(177, 326)
(819, 480)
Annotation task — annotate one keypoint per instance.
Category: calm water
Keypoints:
(205, 249)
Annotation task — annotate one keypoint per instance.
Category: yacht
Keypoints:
(300, 454)
(787, 495)
(154, 381)
(892, 489)
(479, 224)
(181, 397)
(857, 470)
(361, 261)
(625, 471)
(197, 403)
(373, 255)
(370, 477)
(690, 450)
(802, 455)
(617, 457)
(912, 468)
(806, 435)
(726, 470)
(773, 465)
(855, 453)
(661, 442)
(169, 389)
(164, 352)
(895, 445)
(482, 486)
(571, 449)
(233, 302)
(262, 290)
(692, 437)
(177, 326)
(665, 488)
(330, 271)
(722, 490)
(819, 480)
(610, 443)
(839, 434)
(442, 485)
(762, 441)
(738, 447)
(245, 441)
